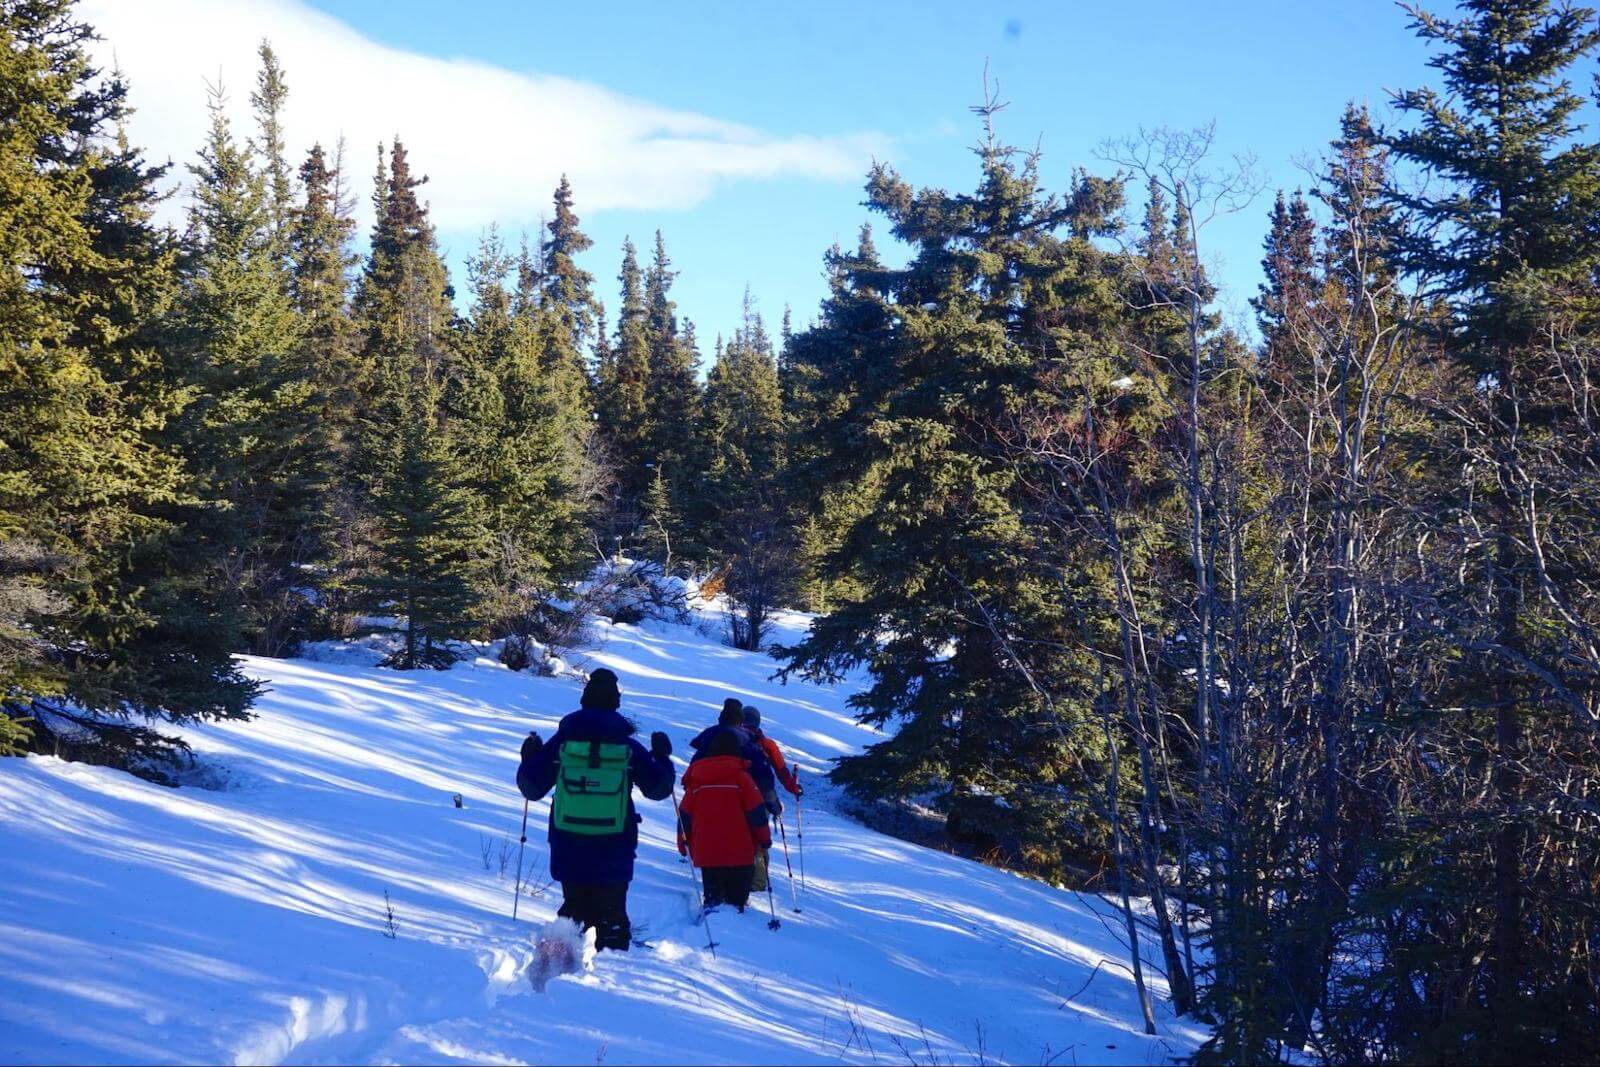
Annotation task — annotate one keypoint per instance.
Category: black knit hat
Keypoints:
(752, 716)
(601, 693)
(732, 713)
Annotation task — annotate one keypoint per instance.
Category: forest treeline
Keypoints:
(1292, 632)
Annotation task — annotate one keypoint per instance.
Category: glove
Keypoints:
(660, 745)
(798, 792)
(531, 746)
(775, 806)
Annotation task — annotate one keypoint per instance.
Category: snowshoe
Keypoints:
(561, 947)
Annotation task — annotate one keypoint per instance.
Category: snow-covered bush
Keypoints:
(631, 591)
(523, 652)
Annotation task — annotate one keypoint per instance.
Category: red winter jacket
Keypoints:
(723, 813)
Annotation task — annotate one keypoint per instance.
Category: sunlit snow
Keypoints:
(241, 918)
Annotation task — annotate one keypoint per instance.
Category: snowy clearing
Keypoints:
(241, 918)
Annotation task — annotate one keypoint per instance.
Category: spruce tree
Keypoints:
(425, 556)
(1506, 231)
(740, 513)
(429, 552)
(506, 419)
(253, 432)
(917, 374)
(743, 415)
(568, 290)
(268, 99)
(27, 572)
(321, 264)
(673, 394)
(624, 397)
(99, 565)
(831, 393)
(1290, 266)
(403, 302)
(674, 390)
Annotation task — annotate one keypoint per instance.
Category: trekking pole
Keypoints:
(800, 829)
(783, 835)
(522, 844)
(705, 913)
(773, 923)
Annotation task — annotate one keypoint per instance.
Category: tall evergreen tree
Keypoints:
(831, 390)
(403, 302)
(921, 370)
(512, 434)
(252, 432)
(568, 290)
(743, 414)
(429, 554)
(674, 447)
(1290, 267)
(93, 501)
(624, 399)
(321, 265)
(426, 552)
(568, 323)
(1506, 230)
(741, 516)
(268, 99)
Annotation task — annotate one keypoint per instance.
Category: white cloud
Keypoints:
(493, 141)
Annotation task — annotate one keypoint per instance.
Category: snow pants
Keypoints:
(727, 885)
(602, 905)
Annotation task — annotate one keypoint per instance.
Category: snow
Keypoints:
(241, 918)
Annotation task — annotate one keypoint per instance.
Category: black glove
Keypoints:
(660, 745)
(531, 747)
(775, 806)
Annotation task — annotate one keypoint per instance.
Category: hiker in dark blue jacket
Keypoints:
(593, 762)
(732, 720)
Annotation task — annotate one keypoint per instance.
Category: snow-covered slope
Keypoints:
(242, 918)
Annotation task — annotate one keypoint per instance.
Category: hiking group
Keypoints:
(593, 763)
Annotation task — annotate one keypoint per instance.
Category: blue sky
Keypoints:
(1274, 76)
(849, 80)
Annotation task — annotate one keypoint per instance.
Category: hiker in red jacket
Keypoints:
(780, 767)
(724, 821)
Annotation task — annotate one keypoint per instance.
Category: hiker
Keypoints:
(723, 821)
(782, 774)
(769, 748)
(732, 721)
(593, 763)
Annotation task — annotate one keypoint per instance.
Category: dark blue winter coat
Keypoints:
(591, 858)
(760, 767)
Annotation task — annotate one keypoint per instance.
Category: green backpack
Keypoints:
(592, 788)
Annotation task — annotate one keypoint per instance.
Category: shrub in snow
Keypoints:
(516, 652)
(630, 591)
(521, 652)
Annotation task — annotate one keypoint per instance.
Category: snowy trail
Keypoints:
(245, 923)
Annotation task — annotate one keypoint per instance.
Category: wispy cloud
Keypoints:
(494, 141)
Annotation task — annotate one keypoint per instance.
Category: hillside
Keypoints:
(241, 918)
